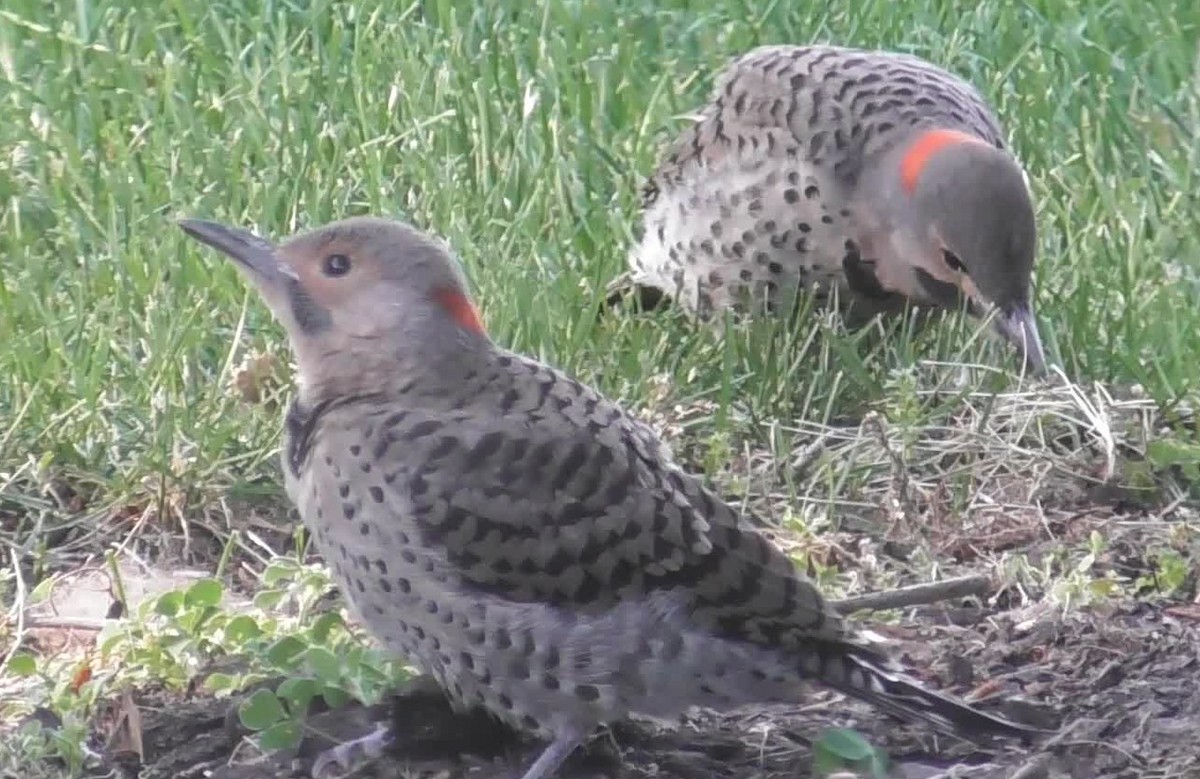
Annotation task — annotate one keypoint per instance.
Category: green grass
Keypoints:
(521, 134)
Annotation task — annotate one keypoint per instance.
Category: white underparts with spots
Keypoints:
(732, 228)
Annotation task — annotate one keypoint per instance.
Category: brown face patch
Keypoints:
(324, 275)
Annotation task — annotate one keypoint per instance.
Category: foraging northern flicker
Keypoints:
(518, 536)
(873, 174)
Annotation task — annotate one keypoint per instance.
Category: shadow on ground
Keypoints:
(1119, 682)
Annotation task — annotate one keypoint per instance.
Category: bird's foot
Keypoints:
(352, 754)
(554, 755)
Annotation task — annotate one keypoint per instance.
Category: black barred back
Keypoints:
(540, 490)
(830, 106)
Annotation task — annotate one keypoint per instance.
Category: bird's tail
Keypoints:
(872, 678)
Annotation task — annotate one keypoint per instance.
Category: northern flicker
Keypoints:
(521, 538)
(873, 175)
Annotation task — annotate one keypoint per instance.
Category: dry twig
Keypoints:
(917, 594)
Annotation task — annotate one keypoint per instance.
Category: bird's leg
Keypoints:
(350, 754)
(554, 755)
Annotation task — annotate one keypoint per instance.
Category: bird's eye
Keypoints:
(952, 260)
(336, 265)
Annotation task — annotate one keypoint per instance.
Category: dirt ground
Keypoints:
(1121, 684)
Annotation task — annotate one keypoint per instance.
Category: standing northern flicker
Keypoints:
(515, 534)
(876, 176)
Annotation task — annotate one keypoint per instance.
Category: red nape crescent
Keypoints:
(457, 305)
(922, 150)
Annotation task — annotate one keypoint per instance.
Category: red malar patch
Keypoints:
(923, 150)
(459, 306)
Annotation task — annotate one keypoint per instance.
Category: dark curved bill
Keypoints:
(1019, 327)
(254, 253)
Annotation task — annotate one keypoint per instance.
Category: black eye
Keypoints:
(952, 260)
(336, 265)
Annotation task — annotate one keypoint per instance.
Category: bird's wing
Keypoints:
(553, 509)
(575, 505)
(822, 103)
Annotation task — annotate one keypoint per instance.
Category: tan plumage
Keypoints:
(517, 535)
(871, 176)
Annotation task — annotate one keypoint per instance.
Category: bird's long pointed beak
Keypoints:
(1019, 327)
(255, 254)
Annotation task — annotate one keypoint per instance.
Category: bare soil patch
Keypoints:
(1120, 683)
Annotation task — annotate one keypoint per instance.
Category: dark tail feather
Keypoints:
(872, 679)
(623, 286)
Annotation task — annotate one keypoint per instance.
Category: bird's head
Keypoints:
(361, 299)
(965, 226)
